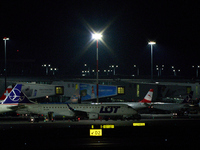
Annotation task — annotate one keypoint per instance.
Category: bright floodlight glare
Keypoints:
(152, 43)
(96, 36)
(5, 38)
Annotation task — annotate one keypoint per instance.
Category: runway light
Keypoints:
(138, 124)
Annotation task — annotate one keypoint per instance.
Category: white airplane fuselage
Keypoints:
(167, 106)
(134, 105)
(98, 109)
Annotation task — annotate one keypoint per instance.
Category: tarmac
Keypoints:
(162, 131)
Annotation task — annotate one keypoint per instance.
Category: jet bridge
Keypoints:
(34, 91)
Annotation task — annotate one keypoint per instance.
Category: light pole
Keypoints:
(152, 43)
(97, 36)
(53, 69)
(5, 39)
(47, 66)
(160, 69)
(113, 67)
(197, 70)
(137, 68)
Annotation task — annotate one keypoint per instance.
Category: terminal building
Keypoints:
(44, 90)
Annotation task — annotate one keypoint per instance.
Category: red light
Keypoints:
(17, 50)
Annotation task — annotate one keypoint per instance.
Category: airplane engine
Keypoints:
(93, 116)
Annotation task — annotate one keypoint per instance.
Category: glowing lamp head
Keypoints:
(96, 36)
(152, 43)
(5, 38)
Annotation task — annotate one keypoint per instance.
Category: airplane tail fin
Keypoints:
(14, 96)
(148, 97)
(24, 99)
(188, 98)
(5, 94)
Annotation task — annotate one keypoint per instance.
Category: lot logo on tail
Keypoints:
(14, 95)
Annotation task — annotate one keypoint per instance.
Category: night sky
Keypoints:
(59, 33)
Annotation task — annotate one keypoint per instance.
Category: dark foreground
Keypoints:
(157, 133)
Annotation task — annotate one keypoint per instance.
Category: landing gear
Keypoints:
(50, 116)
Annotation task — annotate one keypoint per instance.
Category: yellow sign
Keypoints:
(138, 124)
(95, 132)
(107, 126)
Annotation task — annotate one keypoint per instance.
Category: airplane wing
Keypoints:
(83, 114)
(13, 108)
(78, 113)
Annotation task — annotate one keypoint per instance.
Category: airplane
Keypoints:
(174, 107)
(137, 105)
(10, 103)
(91, 111)
(75, 111)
